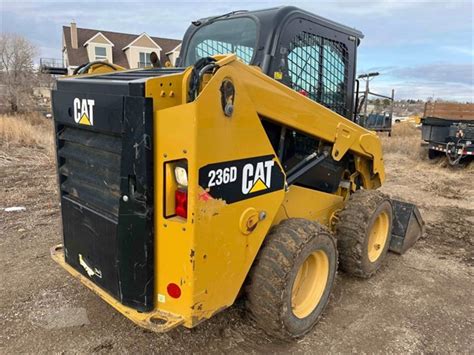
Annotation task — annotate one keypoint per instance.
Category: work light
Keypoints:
(181, 176)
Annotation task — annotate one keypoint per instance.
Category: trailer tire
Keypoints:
(433, 154)
(292, 278)
(363, 231)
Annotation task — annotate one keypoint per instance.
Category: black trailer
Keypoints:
(378, 122)
(375, 121)
(449, 131)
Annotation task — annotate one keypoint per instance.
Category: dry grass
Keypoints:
(405, 140)
(30, 130)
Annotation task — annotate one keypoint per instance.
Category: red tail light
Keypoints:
(173, 290)
(181, 203)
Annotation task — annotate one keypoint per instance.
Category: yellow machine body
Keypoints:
(210, 253)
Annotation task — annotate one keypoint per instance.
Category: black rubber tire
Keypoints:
(270, 281)
(352, 232)
(434, 154)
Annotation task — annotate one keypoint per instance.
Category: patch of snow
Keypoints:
(14, 209)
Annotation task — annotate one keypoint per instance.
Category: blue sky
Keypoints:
(420, 47)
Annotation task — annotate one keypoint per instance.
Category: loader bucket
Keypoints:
(407, 227)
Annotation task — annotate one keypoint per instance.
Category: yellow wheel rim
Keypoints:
(378, 236)
(309, 284)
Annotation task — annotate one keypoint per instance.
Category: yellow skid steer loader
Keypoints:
(238, 172)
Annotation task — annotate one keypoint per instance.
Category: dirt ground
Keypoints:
(419, 302)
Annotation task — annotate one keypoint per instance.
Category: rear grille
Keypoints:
(135, 74)
(89, 168)
(97, 165)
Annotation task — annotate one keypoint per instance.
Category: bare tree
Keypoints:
(17, 75)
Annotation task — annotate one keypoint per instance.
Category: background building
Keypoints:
(82, 45)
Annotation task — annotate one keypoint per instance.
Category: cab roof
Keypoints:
(274, 16)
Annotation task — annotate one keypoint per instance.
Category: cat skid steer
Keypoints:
(182, 188)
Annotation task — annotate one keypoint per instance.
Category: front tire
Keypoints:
(292, 278)
(363, 232)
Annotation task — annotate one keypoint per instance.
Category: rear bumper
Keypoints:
(156, 320)
(441, 147)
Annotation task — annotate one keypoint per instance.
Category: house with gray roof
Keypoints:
(83, 45)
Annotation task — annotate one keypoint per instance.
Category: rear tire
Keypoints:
(292, 278)
(363, 232)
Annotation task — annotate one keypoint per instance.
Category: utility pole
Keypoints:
(366, 96)
(367, 77)
(393, 102)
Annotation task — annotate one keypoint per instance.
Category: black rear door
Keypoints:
(104, 152)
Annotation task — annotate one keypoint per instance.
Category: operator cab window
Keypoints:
(317, 69)
(237, 36)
